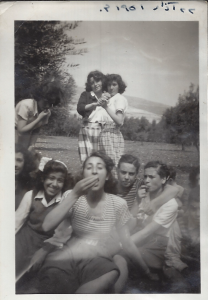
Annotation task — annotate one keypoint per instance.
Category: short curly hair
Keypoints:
(129, 159)
(50, 91)
(97, 75)
(115, 77)
(162, 169)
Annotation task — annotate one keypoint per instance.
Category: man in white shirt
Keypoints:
(153, 237)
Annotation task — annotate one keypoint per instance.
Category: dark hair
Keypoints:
(110, 184)
(172, 173)
(52, 166)
(192, 177)
(118, 79)
(97, 75)
(130, 159)
(162, 169)
(29, 165)
(51, 92)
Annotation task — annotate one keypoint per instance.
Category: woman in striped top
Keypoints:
(84, 264)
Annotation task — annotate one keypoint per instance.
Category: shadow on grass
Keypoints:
(48, 137)
(176, 150)
(51, 149)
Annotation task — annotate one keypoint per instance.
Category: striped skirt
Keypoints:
(111, 142)
(88, 139)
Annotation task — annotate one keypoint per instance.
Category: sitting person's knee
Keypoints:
(120, 262)
(113, 276)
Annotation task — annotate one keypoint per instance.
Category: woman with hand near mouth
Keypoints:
(35, 205)
(84, 264)
(91, 111)
(31, 114)
(111, 140)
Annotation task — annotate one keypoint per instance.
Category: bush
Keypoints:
(61, 123)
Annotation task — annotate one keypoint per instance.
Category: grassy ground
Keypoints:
(66, 150)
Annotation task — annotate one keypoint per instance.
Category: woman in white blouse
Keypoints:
(111, 140)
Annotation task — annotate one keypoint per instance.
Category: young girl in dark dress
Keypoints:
(35, 205)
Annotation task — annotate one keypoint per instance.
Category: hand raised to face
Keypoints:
(85, 184)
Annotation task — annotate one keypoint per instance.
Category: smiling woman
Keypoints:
(111, 140)
(89, 108)
(32, 210)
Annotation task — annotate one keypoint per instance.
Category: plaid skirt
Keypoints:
(88, 139)
(111, 142)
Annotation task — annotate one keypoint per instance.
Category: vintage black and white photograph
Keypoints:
(107, 156)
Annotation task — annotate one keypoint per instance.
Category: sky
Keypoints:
(157, 60)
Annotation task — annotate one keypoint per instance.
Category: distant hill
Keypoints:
(138, 107)
(147, 105)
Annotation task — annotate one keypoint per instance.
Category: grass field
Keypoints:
(66, 150)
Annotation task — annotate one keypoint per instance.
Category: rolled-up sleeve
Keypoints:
(121, 104)
(167, 214)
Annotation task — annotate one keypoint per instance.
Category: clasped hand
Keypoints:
(103, 101)
(44, 114)
(148, 208)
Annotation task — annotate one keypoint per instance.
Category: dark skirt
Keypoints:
(27, 242)
(77, 263)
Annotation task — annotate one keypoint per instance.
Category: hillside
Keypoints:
(138, 107)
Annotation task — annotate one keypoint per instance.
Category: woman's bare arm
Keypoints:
(57, 215)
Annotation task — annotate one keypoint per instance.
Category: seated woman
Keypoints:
(35, 205)
(84, 264)
(24, 164)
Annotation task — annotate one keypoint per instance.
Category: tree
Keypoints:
(40, 52)
(41, 48)
(135, 129)
(182, 121)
